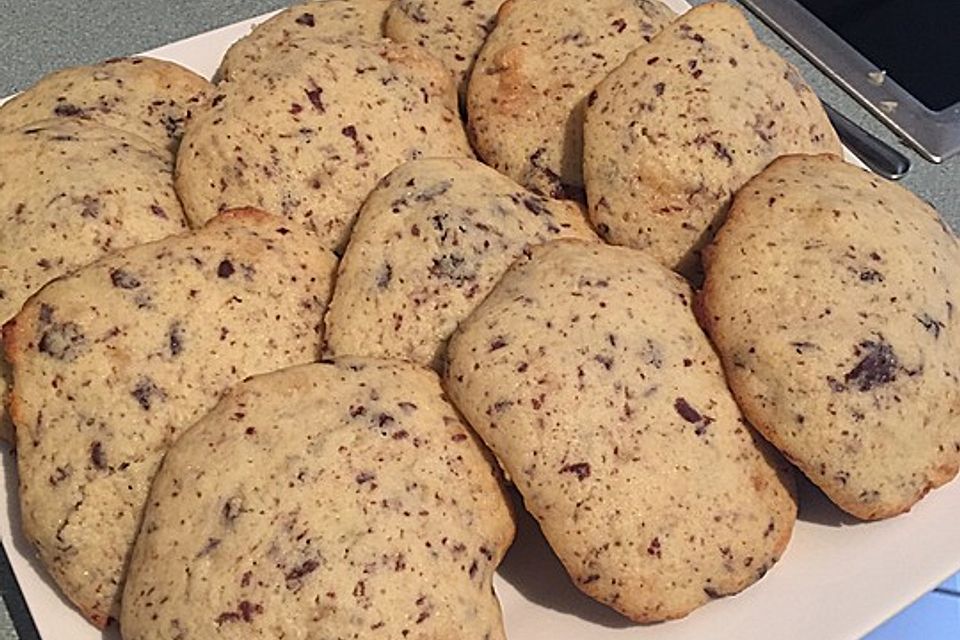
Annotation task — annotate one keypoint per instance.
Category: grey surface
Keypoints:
(39, 36)
(43, 35)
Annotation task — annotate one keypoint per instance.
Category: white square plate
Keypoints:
(838, 579)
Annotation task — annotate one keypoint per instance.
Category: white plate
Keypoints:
(838, 579)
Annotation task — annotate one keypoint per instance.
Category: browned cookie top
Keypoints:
(527, 90)
(672, 133)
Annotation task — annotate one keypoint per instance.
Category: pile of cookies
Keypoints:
(276, 346)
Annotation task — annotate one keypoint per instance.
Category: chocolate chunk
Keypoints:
(91, 207)
(124, 279)
(62, 341)
(245, 612)
(46, 313)
(313, 95)
(500, 406)
(721, 151)
(434, 191)
(60, 474)
(385, 276)
(803, 346)
(535, 205)
(225, 269)
(227, 616)
(67, 110)
(579, 469)
(232, 509)
(691, 415)
(297, 573)
(654, 549)
(146, 393)
(175, 335)
(606, 361)
(687, 412)
(212, 543)
(97, 457)
(306, 19)
(172, 125)
(878, 366)
(929, 323)
(452, 267)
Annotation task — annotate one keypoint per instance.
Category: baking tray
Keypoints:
(839, 578)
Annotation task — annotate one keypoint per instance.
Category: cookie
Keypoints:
(151, 98)
(831, 295)
(296, 27)
(76, 191)
(335, 500)
(586, 374)
(114, 361)
(528, 87)
(451, 30)
(671, 134)
(430, 243)
(309, 136)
